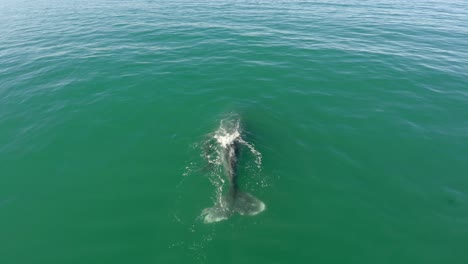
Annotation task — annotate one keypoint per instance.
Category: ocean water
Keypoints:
(357, 109)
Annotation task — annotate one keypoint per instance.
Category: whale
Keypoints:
(228, 141)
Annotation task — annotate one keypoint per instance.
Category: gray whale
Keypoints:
(228, 140)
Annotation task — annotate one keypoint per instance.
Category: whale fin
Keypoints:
(215, 214)
(243, 203)
(247, 204)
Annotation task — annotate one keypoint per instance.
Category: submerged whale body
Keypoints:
(228, 138)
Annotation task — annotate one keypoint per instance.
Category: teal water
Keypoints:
(358, 108)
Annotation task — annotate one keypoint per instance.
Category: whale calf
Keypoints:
(228, 140)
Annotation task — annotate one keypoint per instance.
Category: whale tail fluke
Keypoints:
(247, 204)
(215, 214)
(243, 203)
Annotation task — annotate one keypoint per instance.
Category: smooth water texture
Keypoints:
(358, 108)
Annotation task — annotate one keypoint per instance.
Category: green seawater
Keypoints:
(358, 108)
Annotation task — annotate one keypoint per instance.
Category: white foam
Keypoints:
(257, 154)
(226, 139)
